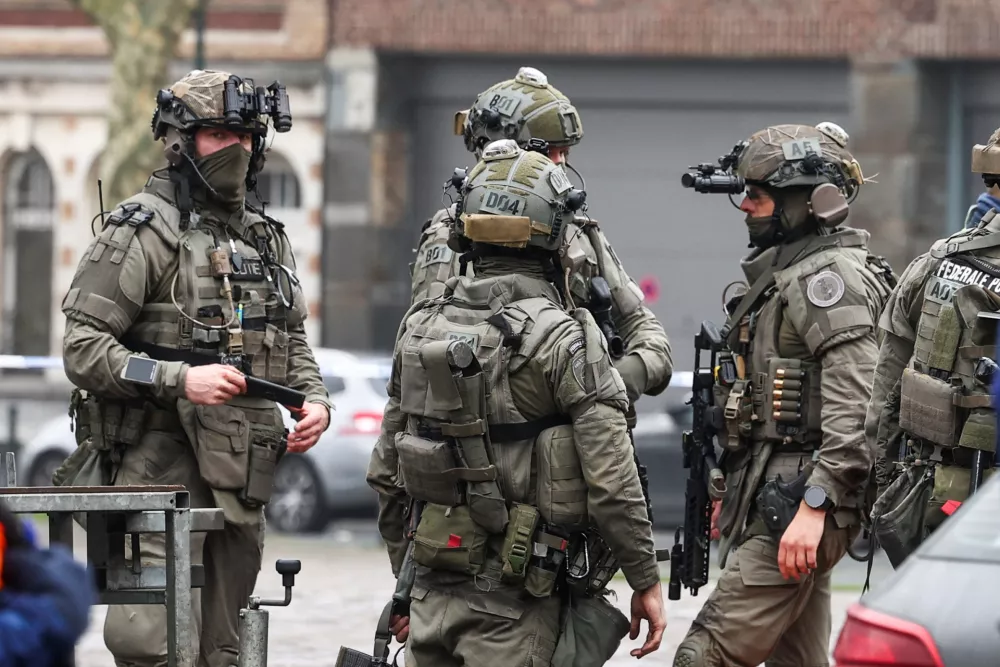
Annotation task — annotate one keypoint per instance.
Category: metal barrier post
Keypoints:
(113, 512)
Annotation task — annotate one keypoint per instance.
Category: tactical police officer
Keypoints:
(537, 116)
(185, 293)
(930, 422)
(800, 350)
(504, 454)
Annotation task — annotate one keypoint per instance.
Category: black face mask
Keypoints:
(226, 171)
(764, 231)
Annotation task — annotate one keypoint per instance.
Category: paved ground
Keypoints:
(345, 582)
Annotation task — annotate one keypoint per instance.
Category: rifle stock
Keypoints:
(689, 560)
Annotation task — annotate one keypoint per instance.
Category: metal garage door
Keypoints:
(644, 124)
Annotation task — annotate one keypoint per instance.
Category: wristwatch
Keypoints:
(816, 498)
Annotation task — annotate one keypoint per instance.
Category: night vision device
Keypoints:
(244, 107)
(717, 179)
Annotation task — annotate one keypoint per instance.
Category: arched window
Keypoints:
(29, 210)
(277, 184)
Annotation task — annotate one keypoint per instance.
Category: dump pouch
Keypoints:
(447, 538)
(927, 408)
(426, 468)
(561, 488)
(898, 514)
(592, 630)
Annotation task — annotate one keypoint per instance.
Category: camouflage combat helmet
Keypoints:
(787, 156)
(523, 108)
(208, 98)
(986, 158)
(516, 198)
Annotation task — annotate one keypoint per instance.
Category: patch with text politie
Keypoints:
(953, 274)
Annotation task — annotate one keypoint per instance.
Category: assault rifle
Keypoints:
(600, 307)
(689, 560)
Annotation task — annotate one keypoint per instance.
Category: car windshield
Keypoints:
(974, 532)
(376, 372)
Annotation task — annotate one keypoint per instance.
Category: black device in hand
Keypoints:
(600, 308)
(689, 560)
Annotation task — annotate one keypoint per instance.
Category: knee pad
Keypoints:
(697, 650)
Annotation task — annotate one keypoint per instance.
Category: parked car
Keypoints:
(657, 438)
(939, 609)
(329, 480)
(326, 481)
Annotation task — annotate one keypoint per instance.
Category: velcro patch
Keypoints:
(825, 289)
(799, 148)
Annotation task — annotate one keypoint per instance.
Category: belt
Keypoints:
(515, 432)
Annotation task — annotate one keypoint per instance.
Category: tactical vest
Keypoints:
(944, 409)
(237, 444)
(583, 252)
(501, 493)
(435, 262)
(773, 407)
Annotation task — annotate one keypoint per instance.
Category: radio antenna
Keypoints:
(100, 201)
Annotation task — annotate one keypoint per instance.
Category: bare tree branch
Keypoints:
(143, 36)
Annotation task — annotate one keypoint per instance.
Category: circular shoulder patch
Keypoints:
(825, 289)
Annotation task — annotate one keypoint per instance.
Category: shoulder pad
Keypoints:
(536, 318)
(131, 213)
(163, 218)
(826, 295)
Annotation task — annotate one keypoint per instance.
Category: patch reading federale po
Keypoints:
(825, 289)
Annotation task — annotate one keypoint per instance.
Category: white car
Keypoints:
(309, 489)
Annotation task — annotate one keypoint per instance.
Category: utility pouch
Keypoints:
(592, 630)
(979, 430)
(517, 545)
(464, 391)
(898, 516)
(221, 439)
(785, 399)
(548, 556)
(266, 449)
(561, 488)
(79, 417)
(738, 414)
(927, 409)
(448, 539)
(427, 468)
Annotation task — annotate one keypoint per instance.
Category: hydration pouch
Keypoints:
(426, 468)
(898, 516)
(448, 539)
(561, 488)
(517, 545)
(266, 449)
(592, 630)
(927, 409)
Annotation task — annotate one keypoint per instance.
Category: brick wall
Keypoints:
(873, 29)
(279, 30)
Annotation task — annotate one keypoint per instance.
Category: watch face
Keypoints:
(815, 497)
